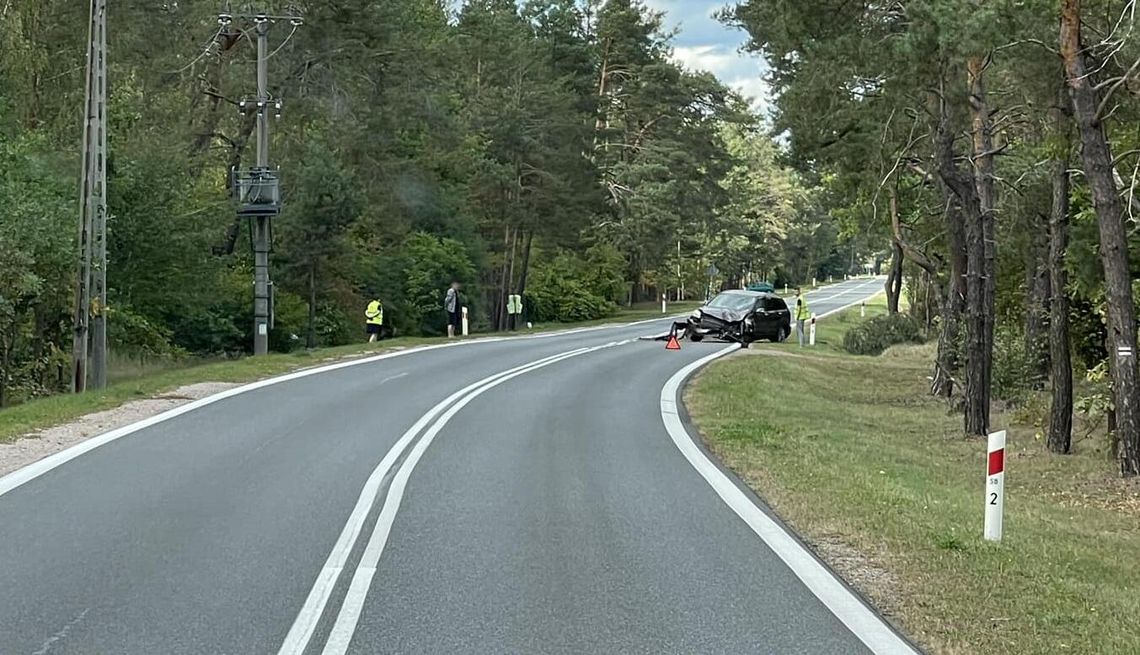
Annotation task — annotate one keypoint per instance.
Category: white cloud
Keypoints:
(740, 71)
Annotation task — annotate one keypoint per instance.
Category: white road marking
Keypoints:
(303, 626)
(855, 289)
(346, 621)
(62, 634)
(839, 600)
(393, 377)
(32, 471)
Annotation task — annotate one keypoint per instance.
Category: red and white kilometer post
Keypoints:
(811, 331)
(995, 485)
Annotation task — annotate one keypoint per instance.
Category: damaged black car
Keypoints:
(741, 317)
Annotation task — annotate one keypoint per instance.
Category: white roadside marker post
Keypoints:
(663, 310)
(863, 310)
(813, 283)
(785, 289)
(811, 331)
(464, 321)
(995, 485)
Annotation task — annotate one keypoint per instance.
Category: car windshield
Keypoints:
(734, 301)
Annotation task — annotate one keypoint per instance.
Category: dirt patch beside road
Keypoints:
(38, 445)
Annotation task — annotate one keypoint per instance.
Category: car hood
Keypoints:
(726, 315)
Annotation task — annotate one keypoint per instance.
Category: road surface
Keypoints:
(527, 495)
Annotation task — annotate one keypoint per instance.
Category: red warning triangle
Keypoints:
(673, 343)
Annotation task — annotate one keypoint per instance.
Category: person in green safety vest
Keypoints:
(802, 315)
(374, 320)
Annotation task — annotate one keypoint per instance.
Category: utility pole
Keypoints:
(258, 189)
(91, 287)
(261, 234)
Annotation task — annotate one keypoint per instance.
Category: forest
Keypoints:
(994, 143)
(550, 148)
(555, 149)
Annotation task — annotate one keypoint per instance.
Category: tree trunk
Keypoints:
(1097, 159)
(524, 269)
(311, 336)
(1061, 406)
(949, 358)
(1037, 295)
(894, 277)
(510, 285)
(980, 268)
(503, 287)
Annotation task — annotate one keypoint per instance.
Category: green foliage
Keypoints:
(1013, 374)
(550, 146)
(429, 265)
(567, 288)
(881, 332)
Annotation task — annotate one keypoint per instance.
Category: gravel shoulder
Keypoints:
(35, 446)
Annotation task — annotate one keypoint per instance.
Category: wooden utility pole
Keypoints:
(91, 287)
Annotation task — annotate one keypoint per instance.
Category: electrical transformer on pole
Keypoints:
(258, 189)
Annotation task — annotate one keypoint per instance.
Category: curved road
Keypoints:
(525, 495)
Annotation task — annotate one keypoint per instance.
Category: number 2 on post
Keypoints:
(993, 498)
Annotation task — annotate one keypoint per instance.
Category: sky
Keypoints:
(703, 43)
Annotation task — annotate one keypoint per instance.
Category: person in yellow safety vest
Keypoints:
(802, 315)
(374, 320)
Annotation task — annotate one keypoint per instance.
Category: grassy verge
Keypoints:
(875, 473)
(131, 381)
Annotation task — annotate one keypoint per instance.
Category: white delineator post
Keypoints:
(663, 309)
(863, 310)
(995, 485)
(811, 331)
(464, 321)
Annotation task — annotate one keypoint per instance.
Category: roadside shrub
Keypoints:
(881, 332)
(569, 287)
(1013, 375)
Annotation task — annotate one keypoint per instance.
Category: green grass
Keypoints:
(852, 451)
(131, 380)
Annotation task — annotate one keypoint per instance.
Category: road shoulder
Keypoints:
(874, 474)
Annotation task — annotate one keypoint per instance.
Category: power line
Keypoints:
(205, 53)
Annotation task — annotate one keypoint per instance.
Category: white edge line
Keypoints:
(839, 600)
(301, 631)
(34, 470)
(347, 618)
(848, 306)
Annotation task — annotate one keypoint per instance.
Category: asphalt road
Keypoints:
(528, 495)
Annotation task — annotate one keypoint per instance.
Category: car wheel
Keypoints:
(745, 337)
(781, 335)
(695, 338)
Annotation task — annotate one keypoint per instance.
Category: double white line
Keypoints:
(301, 633)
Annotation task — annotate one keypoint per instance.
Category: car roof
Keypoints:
(750, 294)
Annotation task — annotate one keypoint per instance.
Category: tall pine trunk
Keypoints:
(1060, 435)
(895, 277)
(524, 269)
(981, 278)
(311, 333)
(1037, 295)
(1097, 159)
(949, 358)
